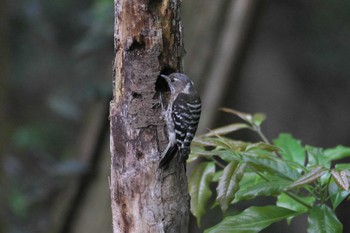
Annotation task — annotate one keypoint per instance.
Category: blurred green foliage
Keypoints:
(300, 179)
(58, 64)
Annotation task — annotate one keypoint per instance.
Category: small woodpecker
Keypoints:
(181, 116)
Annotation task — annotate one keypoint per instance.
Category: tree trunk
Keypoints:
(148, 42)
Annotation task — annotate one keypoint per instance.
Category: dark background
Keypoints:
(56, 82)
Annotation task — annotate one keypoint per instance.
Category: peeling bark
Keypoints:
(148, 42)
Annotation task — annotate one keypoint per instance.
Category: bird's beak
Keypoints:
(166, 78)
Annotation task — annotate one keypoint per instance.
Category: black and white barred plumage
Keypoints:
(182, 117)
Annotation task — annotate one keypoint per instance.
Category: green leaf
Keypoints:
(203, 141)
(251, 190)
(259, 118)
(249, 179)
(227, 155)
(199, 188)
(198, 152)
(223, 142)
(192, 157)
(341, 179)
(292, 148)
(252, 220)
(229, 184)
(227, 129)
(323, 220)
(230, 144)
(217, 176)
(317, 157)
(342, 166)
(270, 164)
(309, 177)
(283, 200)
(336, 194)
(338, 152)
(244, 116)
(262, 146)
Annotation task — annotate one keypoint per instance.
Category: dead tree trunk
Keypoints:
(148, 42)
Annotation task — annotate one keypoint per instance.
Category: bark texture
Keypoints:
(148, 42)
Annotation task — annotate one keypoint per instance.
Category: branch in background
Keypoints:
(223, 61)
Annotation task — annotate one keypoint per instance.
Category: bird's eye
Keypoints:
(172, 80)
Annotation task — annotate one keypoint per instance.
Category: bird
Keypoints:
(181, 116)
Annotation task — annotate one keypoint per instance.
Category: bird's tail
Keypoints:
(169, 155)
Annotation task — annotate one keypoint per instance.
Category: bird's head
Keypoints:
(178, 83)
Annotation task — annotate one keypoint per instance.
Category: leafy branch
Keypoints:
(299, 177)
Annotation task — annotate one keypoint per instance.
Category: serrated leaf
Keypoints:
(341, 179)
(292, 148)
(283, 200)
(336, 194)
(244, 116)
(309, 177)
(219, 143)
(230, 144)
(199, 189)
(227, 129)
(323, 220)
(199, 152)
(252, 220)
(217, 176)
(342, 166)
(192, 157)
(251, 190)
(202, 141)
(317, 157)
(270, 164)
(223, 142)
(259, 118)
(338, 152)
(224, 154)
(227, 155)
(249, 179)
(229, 184)
(262, 146)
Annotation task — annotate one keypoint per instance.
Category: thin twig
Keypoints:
(263, 137)
(218, 162)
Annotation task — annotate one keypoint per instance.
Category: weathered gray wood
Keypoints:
(148, 41)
